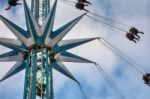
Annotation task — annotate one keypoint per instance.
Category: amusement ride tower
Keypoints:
(40, 49)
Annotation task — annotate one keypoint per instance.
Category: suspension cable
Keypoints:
(64, 1)
(97, 20)
(121, 55)
(109, 81)
(100, 16)
(68, 1)
(109, 19)
(82, 91)
(111, 47)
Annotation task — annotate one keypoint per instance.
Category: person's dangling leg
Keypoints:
(137, 36)
(18, 4)
(134, 41)
(141, 32)
(8, 8)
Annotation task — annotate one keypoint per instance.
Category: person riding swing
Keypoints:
(131, 37)
(146, 79)
(135, 31)
(12, 3)
(81, 6)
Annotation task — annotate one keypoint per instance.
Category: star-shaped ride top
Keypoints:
(43, 37)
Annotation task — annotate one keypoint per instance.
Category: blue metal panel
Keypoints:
(26, 82)
(13, 47)
(14, 70)
(34, 71)
(10, 53)
(51, 83)
(19, 29)
(37, 11)
(72, 45)
(50, 21)
(47, 76)
(69, 57)
(32, 5)
(67, 54)
(66, 28)
(30, 21)
(62, 69)
(48, 6)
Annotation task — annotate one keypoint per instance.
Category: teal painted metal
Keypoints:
(32, 5)
(31, 24)
(37, 10)
(11, 46)
(61, 68)
(65, 28)
(13, 27)
(14, 70)
(34, 71)
(75, 57)
(71, 44)
(46, 9)
(47, 76)
(34, 85)
(26, 83)
(43, 11)
(48, 6)
(50, 21)
(11, 53)
(51, 83)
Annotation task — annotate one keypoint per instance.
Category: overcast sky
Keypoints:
(132, 12)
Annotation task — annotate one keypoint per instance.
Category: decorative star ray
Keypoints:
(18, 32)
(61, 68)
(11, 56)
(32, 26)
(19, 66)
(13, 44)
(68, 44)
(69, 57)
(34, 35)
(49, 22)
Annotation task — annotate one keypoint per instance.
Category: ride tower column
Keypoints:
(40, 9)
(38, 75)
